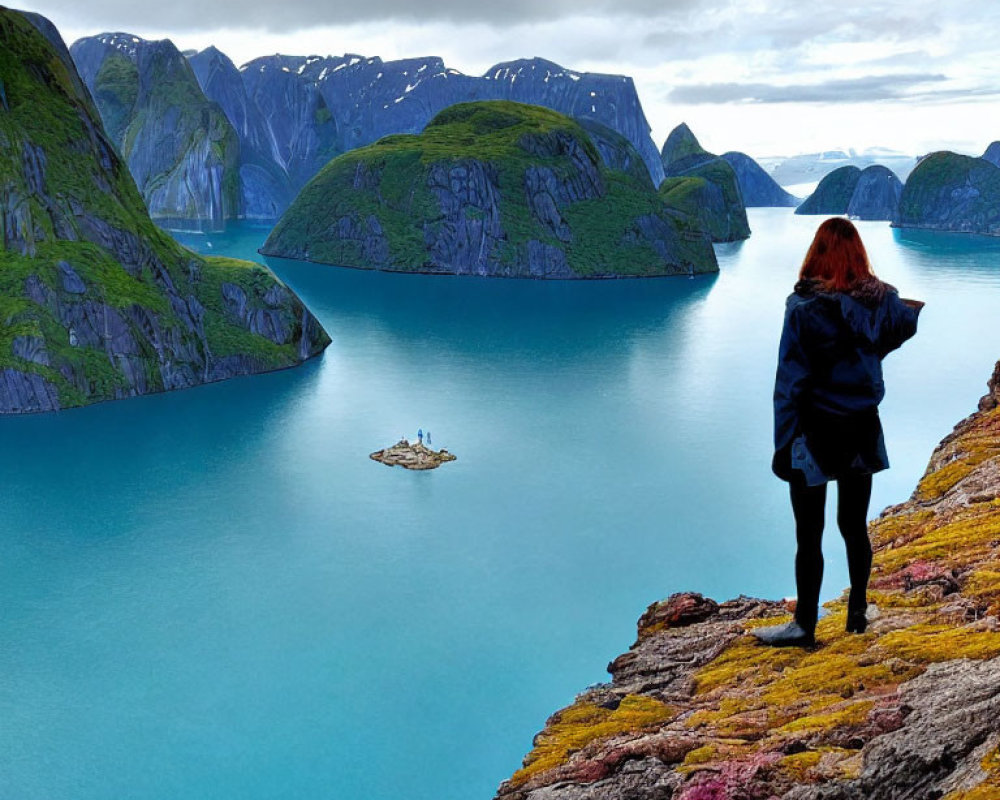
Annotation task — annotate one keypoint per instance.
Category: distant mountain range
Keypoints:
(813, 167)
(242, 142)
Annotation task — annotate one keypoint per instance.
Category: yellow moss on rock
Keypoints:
(582, 723)
(928, 643)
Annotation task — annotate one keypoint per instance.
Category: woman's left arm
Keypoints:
(898, 324)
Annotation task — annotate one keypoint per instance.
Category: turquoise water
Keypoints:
(215, 593)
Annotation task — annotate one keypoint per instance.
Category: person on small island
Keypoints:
(420, 436)
(840, 322)
(428, 437)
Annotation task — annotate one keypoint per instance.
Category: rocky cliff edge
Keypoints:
(697, 710)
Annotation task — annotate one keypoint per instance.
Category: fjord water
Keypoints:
(215, 593)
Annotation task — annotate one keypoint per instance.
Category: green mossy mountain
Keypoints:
(950, 192)
(703, 185)
(182, 151)
(710, 193)
(96, 302)
(490, 188)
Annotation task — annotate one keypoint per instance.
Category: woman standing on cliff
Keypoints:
(840, 322)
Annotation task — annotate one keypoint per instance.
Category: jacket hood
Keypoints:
(862, 307)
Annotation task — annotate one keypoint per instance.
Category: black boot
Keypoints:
(857, 620)
(791, 634)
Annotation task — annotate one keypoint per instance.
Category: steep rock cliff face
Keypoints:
(871, 193)
(96, 302)
(372, 98)
(757, 187)
(704, 185)
(950, 192)
(876, 195)
(265, 186)
(697, 710)
(300, 124)
(491, 188)
(180, 148)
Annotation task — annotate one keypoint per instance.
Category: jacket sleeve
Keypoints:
(791, 381)
(899, 323)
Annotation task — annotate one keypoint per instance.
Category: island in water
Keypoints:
(411, 456)
(497, 189)
(870, 193)
(97, 302)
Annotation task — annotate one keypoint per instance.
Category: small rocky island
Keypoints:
(411, 456)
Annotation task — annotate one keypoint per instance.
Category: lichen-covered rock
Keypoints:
(181, 150)
(490, 188)
(96, 302)
(698, 710)
(951, 192)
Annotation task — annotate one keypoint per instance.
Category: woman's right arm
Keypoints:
(791, 380)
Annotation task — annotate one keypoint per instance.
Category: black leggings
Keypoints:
(808, 504)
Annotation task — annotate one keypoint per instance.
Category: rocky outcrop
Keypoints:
(951, 192)
(682, 149)
(992, 154)
(96, 302)
(871, 193)
(698, 710)
(411, 456)
(757, 187)
(704, 186)
(180, 148)
(494, 188)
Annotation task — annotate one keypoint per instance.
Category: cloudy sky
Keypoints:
(768, 77)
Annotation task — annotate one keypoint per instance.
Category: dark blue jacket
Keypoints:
(831, 351)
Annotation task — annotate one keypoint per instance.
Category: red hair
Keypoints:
(837, 259)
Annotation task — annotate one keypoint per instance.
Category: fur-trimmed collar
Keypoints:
(868, 292)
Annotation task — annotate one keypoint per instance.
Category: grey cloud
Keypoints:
(282, 16)
(875, 87)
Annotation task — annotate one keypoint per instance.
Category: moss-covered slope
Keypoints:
(698, 710)
(489, 188)
(951, 192)
(95, 301)
(181, 149)
(709, 192)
